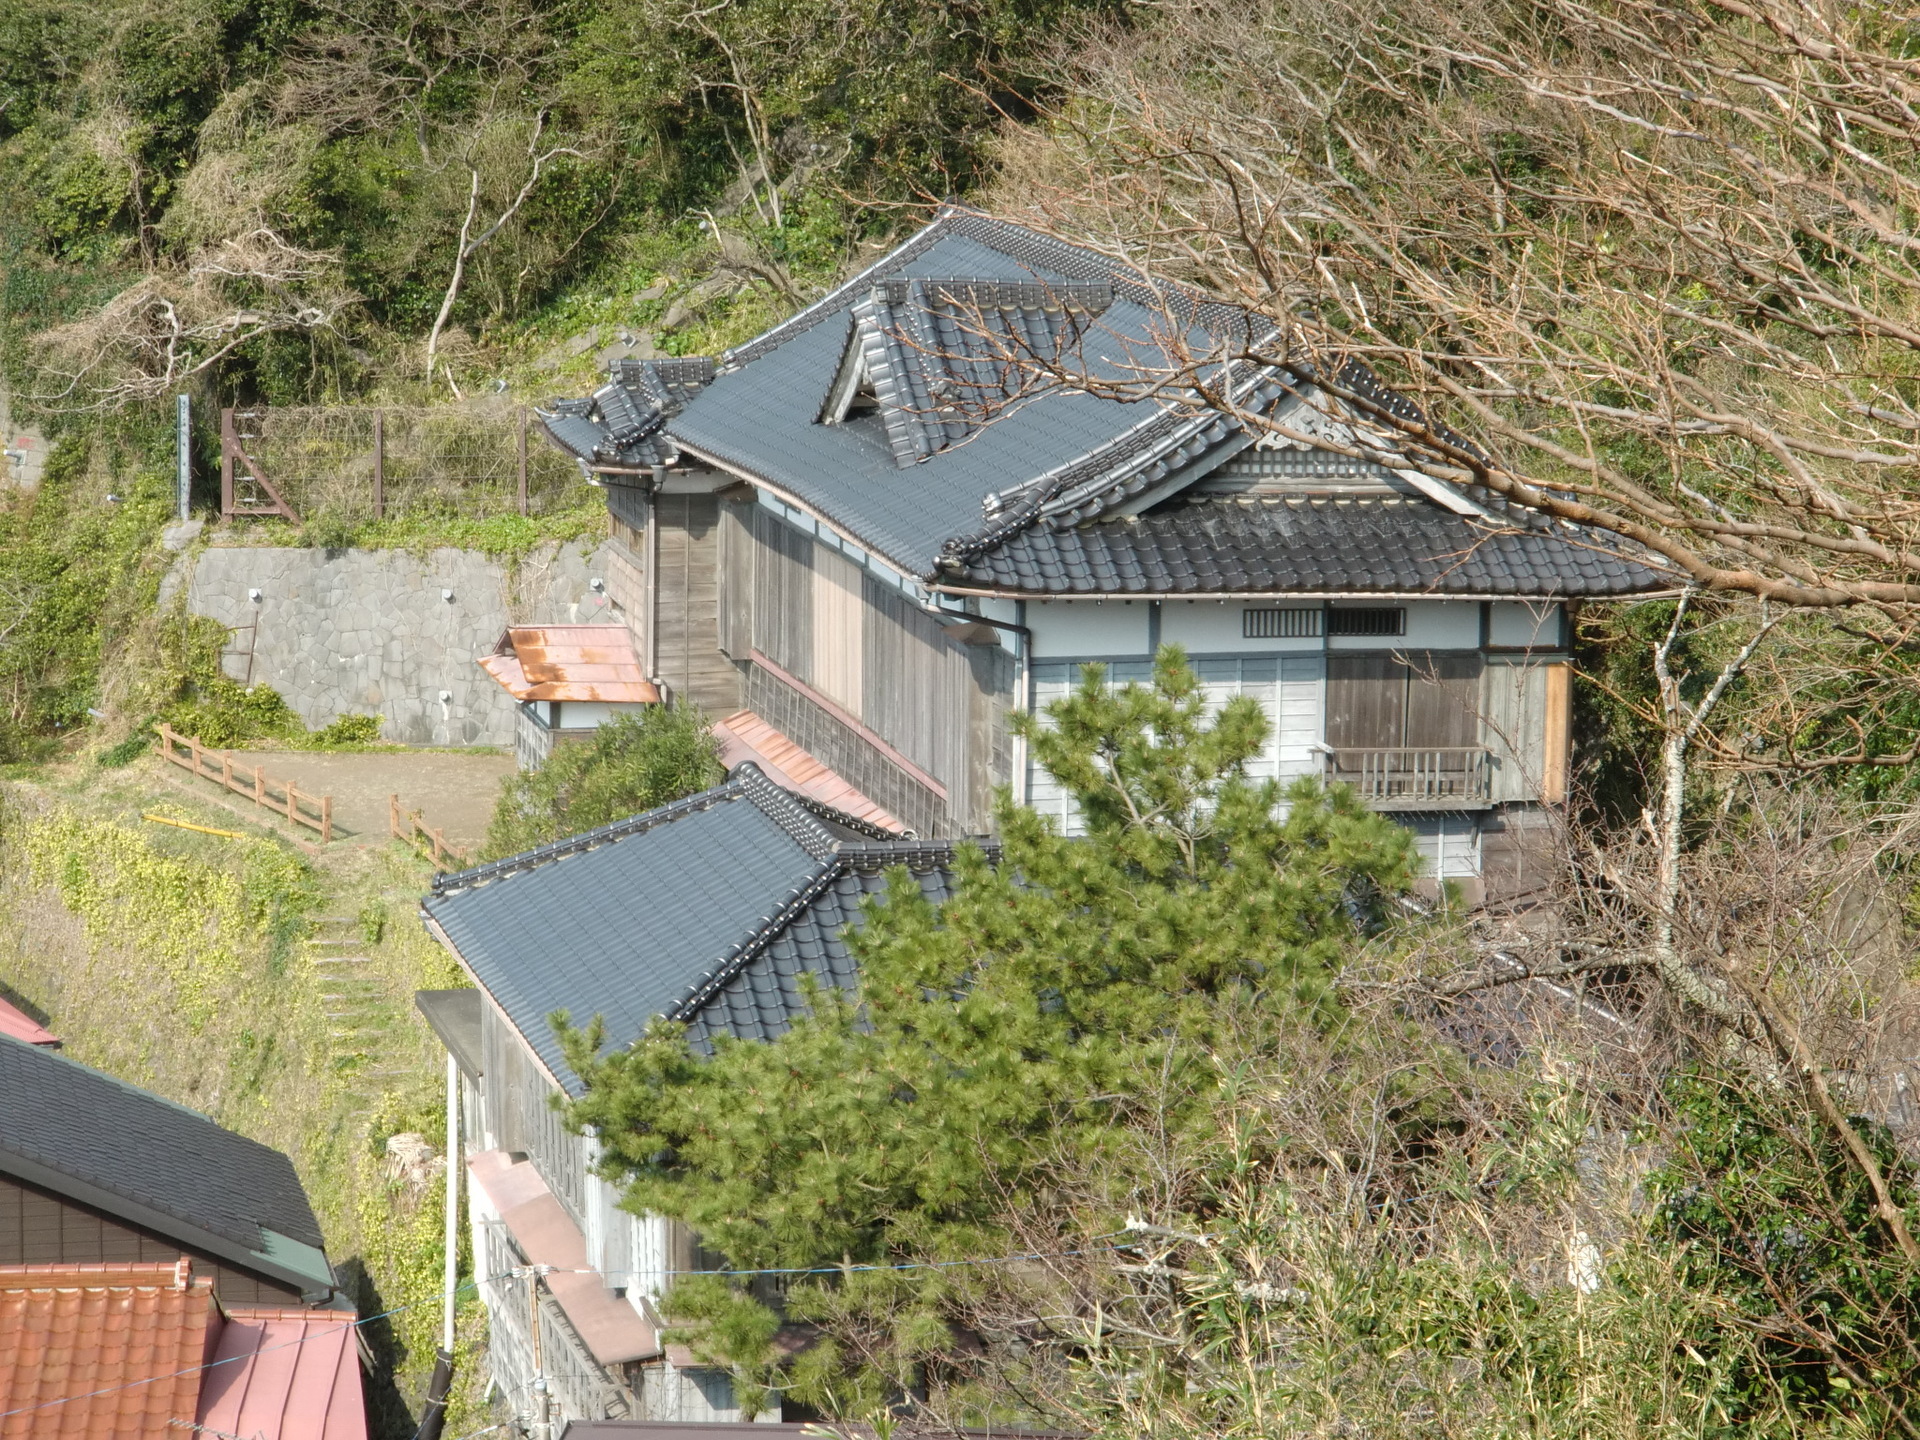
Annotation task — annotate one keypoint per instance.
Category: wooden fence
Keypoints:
(407, 825)
(254, 784)
(355, 461)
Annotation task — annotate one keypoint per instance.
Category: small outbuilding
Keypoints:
(569, 679)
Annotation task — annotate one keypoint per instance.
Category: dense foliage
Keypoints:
(632, 763)
(999, 1035)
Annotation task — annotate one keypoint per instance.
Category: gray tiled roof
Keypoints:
(964, 458)
(116, 1147)
(621, 422)
(706, 911)
(1252, 544)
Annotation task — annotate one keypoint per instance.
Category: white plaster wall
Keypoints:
(1207, 627)
(1087, 628)
(1521, 624)
(1431, 625)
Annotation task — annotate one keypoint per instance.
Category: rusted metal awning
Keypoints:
(745, 736)
(570, 662)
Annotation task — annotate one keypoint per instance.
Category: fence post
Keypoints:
(326, 818)
(293, 807)
(438, 846)
(193, 748)
(523, 459)
(226, 770)
(226, 464)
(259, 787)
(379, 464)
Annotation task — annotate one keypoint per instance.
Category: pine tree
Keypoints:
(993, 1034)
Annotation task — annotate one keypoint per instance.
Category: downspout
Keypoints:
(658, 478)
(433, 1415)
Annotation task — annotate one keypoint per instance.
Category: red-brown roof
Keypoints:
(285, 1374)
(22, 1026)
(570, 662)
(743, 735)
(102, 1352)
(546, 1235)
(143, 1352)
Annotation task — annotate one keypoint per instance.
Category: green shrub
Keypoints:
(347, 732)
(633, 763)
(223, 713)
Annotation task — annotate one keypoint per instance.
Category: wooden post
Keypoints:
(226, 770)
(193, 747)
(293, 805)
(326, 818)
(259, 786)
(438, 846)
(379, 464)
(226, 464)
(523, 459)
(393, 817)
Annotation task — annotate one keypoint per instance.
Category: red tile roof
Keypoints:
(285, 1374)
(570, 662)
(743, 735)
(101, 1352)
(546, 1235)
(22, 1026)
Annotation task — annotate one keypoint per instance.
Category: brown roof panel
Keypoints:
(286, 1374)
(546, 1235)
(570, 662)
(743, 735)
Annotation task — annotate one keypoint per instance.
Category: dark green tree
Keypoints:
(1018, 1026)
(633, 763)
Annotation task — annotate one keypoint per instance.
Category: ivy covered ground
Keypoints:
(269, 988)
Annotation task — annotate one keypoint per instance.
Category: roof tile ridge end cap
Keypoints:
(742, 953)
(785, 810)
(445, 886)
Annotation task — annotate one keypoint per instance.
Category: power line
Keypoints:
(478, 1281)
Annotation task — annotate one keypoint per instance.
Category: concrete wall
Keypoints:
(374, 631)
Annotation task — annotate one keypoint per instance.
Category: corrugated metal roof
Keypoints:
(743, 736)
(285, 1374)
(570, 662)
(22, 1026)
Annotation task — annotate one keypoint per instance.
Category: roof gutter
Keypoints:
(1274, 597)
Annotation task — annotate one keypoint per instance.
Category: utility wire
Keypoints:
(478, 1281)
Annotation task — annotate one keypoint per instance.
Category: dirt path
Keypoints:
(451, 791)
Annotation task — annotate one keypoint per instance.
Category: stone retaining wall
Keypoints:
(386, 632)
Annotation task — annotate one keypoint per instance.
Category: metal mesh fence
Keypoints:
(364, 463)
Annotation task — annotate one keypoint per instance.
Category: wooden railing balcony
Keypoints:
(1412, 777)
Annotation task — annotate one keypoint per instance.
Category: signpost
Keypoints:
(182, 446)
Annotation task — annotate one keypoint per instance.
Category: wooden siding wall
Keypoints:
(688, 642)
(521, 1117)
(41, 1229)
(868, 648)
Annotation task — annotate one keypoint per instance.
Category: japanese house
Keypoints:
(729, 898)
(825, 534)
(96, 1171)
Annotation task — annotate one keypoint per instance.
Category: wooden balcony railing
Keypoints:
(1415, 777)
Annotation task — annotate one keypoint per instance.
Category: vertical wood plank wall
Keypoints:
(523, 1121)
(41, 1229)
(688, 643)
(871, 650)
